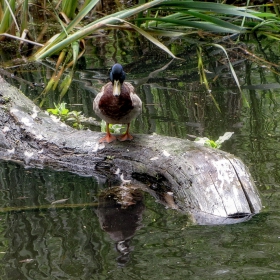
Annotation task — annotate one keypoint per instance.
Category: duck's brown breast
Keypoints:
(115, 107)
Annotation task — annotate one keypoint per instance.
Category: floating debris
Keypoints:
(27, 261)
(59, 201)
(22, 197)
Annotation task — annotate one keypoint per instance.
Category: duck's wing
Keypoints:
(136, 101)
(97, 99)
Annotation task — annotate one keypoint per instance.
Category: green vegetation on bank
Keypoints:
(203, 23)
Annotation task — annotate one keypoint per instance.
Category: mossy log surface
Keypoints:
(212, 186)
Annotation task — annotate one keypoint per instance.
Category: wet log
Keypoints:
(212, 186)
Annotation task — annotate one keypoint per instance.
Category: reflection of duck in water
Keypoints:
(120, 212)
(117, 103)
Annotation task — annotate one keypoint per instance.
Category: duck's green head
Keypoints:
(117, 77)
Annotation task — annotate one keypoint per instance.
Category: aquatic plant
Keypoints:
(205, 141)
(72, 117)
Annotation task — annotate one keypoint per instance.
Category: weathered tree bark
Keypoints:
(212, 186)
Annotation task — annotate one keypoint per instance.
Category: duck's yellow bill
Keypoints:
(116, 88)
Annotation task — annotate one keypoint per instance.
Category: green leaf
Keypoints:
(61, 41)
(212, 144)
(233, 73)
(210, 7)
(53, 111)
(64, 111)
(210, 26)
(151, 38)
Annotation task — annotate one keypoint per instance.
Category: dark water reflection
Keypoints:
(71, 242)
(81, 238)
(54, 241)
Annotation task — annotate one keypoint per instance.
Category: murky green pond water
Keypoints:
(47, 241)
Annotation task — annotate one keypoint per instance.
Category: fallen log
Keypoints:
(212, 186)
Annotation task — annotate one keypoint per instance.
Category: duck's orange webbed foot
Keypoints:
(108, 138)
(125, 137)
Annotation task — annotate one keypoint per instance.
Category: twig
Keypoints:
(21, 39)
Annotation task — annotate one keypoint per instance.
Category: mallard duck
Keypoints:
(117, 103)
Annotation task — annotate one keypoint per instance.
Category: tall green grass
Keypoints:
(181, 16)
